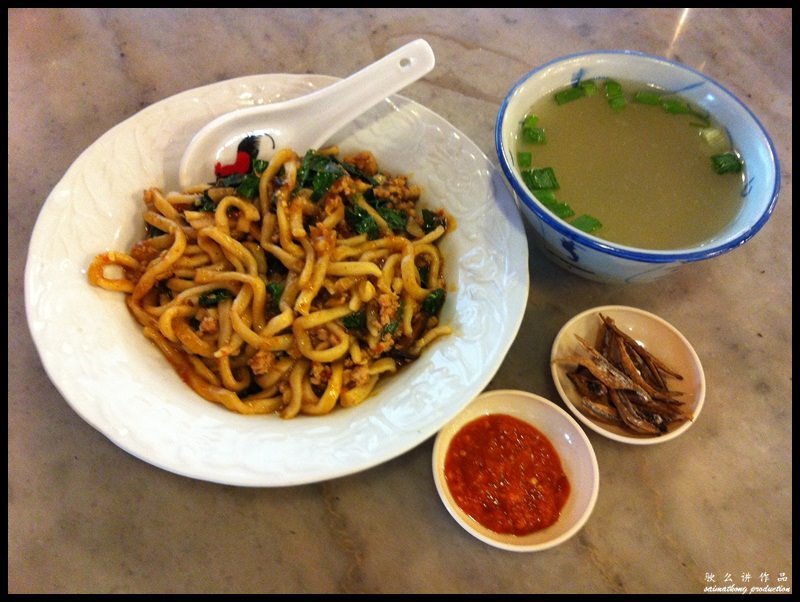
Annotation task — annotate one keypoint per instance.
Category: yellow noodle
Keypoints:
(97, 276)
(329, 397)
(296, 377)
(279, 304)
(359, 393)
(429, 336)
(353, 268)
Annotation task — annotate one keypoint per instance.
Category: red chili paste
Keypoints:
(506, 475)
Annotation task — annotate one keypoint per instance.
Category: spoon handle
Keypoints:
(307, 121)
(343, 101)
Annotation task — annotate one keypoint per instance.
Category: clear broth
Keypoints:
(646, 174)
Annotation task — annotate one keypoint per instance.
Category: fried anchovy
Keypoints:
(588, 385)
(629, 367)
(620, 383)
(631, 416)
(601, 411)
(603, 369)
(652, 360)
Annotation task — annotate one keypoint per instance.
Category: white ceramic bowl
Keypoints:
(570, 442)
(598, 259)
(659, 337)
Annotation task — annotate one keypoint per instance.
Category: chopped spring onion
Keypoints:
(562, 210)
(531, 133)
(586, 87)
(675, 105)
(715, 138)
(647, 97)
(589, 87)
(569, 94)
(617, 103)
(537, 179)
(614, 95)
(727, 163)
(613, 88)
(534, 135)
(524, 159)
(546, 195)
(530, 121)
(678, 106)
(587, 223)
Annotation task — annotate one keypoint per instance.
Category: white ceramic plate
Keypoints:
(657, 335)
(118, 382)
(570, 442)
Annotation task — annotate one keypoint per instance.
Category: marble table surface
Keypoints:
(709, 511)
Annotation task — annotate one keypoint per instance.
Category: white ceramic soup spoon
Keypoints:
(306, 122)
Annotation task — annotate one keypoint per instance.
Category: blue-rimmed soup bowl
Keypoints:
(596, 258)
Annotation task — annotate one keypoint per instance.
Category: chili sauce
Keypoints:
(506, 475)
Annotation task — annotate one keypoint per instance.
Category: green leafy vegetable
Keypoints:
(613, 88)
(361, 221)
(248, 188)
(275, 291)
(433, 303)
(230, 181)
(424, 275)
(205, 203)
(355, 321)
(212, 298)
(259, 167)
(318, 172)
(396, 220)
(392, 326)
(152, 231)
(432, 220)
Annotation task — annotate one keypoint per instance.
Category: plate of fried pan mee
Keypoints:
(286, 321)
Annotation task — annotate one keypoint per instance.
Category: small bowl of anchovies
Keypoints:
(628, 374)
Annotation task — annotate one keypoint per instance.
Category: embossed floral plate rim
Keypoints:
(118, 382)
